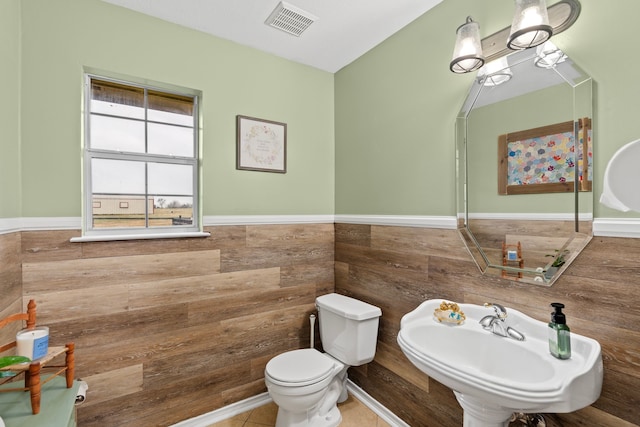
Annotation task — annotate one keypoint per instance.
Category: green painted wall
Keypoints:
(9, 109)
(63, 37)
(395, 113)
(485, 124)
(391, 113)
(396, 105)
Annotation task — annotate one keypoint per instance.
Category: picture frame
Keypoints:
(261, 145)
(541, 160)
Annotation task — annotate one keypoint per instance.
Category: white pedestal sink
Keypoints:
(493, 376)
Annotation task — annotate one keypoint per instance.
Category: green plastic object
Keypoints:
(12, 360)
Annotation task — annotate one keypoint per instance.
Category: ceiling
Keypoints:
(344, 30)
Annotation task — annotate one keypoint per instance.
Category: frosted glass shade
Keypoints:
(548, 55)
(467, 53)
(497, 72)
(530, 26)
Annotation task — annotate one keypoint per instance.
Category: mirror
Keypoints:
(522, 136)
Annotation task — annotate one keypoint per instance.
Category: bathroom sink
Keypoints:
(494, 376)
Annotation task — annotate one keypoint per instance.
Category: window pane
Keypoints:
(117, 110)
(168, 108)
(123, 211)
(170, 210)
(117, 176)
(170, 179)
(170, 140)
(110, 133)
(142, 158)
(117, 99)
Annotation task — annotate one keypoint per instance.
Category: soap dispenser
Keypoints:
(559, 335)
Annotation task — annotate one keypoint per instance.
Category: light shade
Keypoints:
(548, 55)
(495, 72)
(467, 53)
(530, 26)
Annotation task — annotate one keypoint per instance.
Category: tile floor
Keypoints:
(354, 414)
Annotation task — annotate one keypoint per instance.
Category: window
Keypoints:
(140, 160)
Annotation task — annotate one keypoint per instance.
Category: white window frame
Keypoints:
(89, 233)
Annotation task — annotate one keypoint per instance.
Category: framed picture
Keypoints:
(546, 159)
(261, 145)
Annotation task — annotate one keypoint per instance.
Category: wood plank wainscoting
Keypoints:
(10, 283)
(169, 329)
(166, 330)
(396, 268)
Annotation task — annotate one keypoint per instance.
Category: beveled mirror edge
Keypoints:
(529, 276)
(494, 46)
(579, 241)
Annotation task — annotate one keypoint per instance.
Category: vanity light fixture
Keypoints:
(548, 55)
(553, 20)
(530, 26)
(467, 53)
(495, 72)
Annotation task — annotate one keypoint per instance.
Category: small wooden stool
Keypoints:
(506, 260)
(33, 369)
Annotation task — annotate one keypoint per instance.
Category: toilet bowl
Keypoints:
(306, 384)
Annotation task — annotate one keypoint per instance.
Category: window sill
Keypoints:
(112, 237)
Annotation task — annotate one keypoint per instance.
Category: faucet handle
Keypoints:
(501, 312)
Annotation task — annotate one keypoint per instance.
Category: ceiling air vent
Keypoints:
(290, 19)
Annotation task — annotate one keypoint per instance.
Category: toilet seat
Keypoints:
(299, 368)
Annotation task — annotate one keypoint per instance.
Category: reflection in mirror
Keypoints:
(520, 146)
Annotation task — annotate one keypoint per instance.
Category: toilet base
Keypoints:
(322, 402)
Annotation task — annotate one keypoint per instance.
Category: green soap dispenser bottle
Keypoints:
(559, 335)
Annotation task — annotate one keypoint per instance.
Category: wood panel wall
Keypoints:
(10, 284)
(166, 330)
(169, 329)
(396, 268)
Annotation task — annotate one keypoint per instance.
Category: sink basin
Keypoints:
(494, 376)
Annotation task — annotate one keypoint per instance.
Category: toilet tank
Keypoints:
(348, 328)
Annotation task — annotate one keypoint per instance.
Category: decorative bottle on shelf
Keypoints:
(559, 334)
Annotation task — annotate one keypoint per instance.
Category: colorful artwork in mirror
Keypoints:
(544, 159)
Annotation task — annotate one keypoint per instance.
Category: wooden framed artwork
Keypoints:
(546, 159)
(261, 145)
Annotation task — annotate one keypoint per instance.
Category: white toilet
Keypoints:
(306, 384)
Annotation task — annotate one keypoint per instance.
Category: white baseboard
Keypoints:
(212, 220)
(234, 409)
(11, 225)
(616, 227)
(605, 227)
(426, 221)
(392, 419)
(226, 412)
(533, 216)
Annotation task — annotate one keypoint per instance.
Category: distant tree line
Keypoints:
(174, 204)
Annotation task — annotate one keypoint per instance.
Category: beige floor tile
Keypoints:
(264, 415)
(236, 421)
(382, 423)
(355, 414)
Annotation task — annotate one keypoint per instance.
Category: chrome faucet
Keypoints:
(496, 325)
(501, 312)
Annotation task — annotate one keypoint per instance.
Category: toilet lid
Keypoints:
(300, 366)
